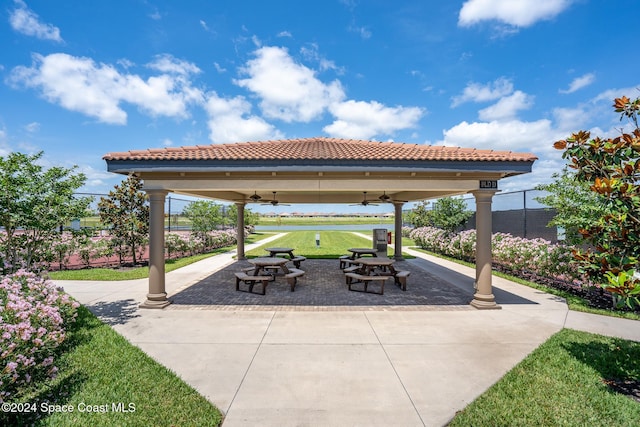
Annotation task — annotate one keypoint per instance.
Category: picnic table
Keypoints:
(263, 264)
(273, 252)
(267, 265)
(359, 252)
(369, 265)
(368, 268)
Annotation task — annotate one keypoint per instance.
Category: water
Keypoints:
(325, 227)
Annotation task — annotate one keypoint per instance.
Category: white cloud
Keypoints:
(580, 82)
(518, 13)
(167, 142)
(571, 119)
(363, 120)
(289, 91)
(25, 21)
(311, 53)
(155, 15)
(219, 68)
(4, 146)
(541, 173)
(97, 90)
(363, 32)
(230, 121)
(507, 108)
(537, 137)
(32, 127)
(477, 92)
(514, 135)
(171, 65)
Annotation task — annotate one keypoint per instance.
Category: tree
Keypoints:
(576, 206)
(611, 169)
(34, 204)
(450, 213)
(420, 215)
(205, 216)
(250, 217)
(126, 211)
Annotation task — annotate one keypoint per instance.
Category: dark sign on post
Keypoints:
(488, 184)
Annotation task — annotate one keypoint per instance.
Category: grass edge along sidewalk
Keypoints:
(107, 381)
(573, 379)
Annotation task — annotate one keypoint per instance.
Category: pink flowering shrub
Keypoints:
(537, 256)
(33, 316)
(176, 243)
(406, 231)
(62, 247)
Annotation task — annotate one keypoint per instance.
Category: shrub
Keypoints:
(537, 256)
(33, 316)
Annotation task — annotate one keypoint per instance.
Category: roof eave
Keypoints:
(509, 167)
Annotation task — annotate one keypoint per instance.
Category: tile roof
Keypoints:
(319, 148)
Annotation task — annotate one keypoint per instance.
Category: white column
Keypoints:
(483, 297)
(397, 254)
(157, 296)
(240, 232)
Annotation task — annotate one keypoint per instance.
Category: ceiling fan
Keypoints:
(365, 202)
(274, 202)
(385, 198)
(254, 198)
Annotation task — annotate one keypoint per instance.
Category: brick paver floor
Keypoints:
(322, 288)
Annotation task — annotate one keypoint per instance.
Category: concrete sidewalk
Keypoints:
(315, 366)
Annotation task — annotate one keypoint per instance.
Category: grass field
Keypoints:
(332, 244)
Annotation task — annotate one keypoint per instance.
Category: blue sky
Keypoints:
(80, 79)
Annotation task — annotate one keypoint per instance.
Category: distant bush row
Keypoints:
(68, 250)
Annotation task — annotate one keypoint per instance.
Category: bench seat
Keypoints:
(292, 277)
(297, 260)
(401, 278)
(343, 261)
(251, 281)
(352, 269)
(353, 278)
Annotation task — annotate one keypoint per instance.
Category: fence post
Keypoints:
(524, 220)
(169, 198)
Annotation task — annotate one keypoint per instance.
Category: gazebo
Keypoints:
(320, 170)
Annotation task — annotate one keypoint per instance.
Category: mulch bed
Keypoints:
(595, 297)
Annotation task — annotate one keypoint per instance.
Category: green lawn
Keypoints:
(332, 244)
(100, 367)
(563, 382)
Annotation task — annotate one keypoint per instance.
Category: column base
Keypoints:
(484, 302)
(155, 301)
(398, 257)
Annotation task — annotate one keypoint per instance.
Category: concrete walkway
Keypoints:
(319, 367)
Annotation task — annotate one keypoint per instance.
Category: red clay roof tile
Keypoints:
(320, 148)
